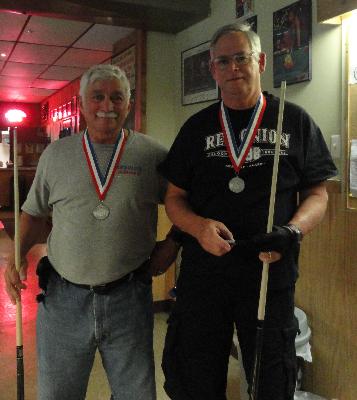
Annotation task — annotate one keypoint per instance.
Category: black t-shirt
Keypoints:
(198, 163)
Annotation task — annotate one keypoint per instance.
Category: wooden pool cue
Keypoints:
(265, 273)
(19, 342)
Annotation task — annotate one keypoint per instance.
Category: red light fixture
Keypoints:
(14, 116)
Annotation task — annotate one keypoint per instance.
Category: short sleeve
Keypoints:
(318, 165)
(177, 166)
(37, 202)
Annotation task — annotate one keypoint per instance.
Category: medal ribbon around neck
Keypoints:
(237, 154)
(102, 184)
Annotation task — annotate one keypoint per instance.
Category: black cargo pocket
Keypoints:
(290, 361)
(170, 361)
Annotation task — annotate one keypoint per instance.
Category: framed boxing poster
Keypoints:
(130, 56)
(292, 43)
(244, 8)
(196, 79)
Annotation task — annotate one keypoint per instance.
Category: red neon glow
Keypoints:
(15, 115)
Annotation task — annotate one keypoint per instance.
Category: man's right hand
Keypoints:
(213, 235)
(14, 280)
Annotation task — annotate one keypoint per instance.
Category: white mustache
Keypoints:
(110, 114)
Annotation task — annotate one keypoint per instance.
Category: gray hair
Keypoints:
(253, 38)
(104, 72)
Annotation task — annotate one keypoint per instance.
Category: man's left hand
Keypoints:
(280, 240)
(163, 255)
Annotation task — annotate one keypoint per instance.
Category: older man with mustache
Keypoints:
(102, 189)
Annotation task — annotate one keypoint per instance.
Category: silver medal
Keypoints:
(101, 211)
(236, 184)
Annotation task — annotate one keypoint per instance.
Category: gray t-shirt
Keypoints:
(81, 248)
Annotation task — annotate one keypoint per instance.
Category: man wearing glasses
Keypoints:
(220, 169)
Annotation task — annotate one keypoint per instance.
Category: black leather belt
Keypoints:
(45, 269)
(106, 287)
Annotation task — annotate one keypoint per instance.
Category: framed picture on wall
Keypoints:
(244, 8)
(126, 61)
(253, 22)
(197, 82)
(130, 56)
(292, 43)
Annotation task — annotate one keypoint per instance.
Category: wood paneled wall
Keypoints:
(327, 292)
(163, 283)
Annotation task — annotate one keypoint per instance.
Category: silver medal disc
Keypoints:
(236, 184)
(101, 211)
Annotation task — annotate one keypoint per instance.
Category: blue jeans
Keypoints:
(73, 322)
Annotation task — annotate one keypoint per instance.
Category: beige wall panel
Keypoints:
(162, 284)
(326, 291)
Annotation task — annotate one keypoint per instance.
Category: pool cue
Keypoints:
(19, 344)
(265, 273)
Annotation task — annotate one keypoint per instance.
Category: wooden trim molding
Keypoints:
(334, 186)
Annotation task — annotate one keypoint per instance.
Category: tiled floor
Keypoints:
(98, 387)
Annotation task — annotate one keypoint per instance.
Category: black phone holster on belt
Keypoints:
(43, 271)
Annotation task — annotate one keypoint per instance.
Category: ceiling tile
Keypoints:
(6, 47)
(49, 84)
(37, 92)
(35, 53)
(19, 97)
(57, 32)
(23, 70)
(102, 37)
(11, 94)
(83, 58)
(11, 25)
(15, 82)
(27, 95)
(62, 73)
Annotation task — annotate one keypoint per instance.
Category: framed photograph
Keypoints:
(292, 43)
(244, 8)
(253, 22)
(126, 61)
(197, 82)
(130, 56)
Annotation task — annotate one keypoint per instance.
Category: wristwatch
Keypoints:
(296, 231)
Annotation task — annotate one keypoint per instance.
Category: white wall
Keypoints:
(321, 96)
(160, 85)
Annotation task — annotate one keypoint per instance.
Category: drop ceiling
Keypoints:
(43, 51)
(42, 55)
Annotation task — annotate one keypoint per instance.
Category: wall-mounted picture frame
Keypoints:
(244, 8)
(253, 22)
(292, 43)
(197, 82)
(130, 55)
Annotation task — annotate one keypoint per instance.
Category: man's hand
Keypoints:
(163, 255)
(14, 280)
(281, 239)
(213, 236)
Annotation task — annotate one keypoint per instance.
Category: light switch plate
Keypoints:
(336, 146)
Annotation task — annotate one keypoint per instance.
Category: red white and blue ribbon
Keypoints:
(237, 154)
(103, 183)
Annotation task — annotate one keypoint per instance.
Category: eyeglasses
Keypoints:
(223, 62)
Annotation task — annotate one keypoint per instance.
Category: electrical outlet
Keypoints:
(335, 146)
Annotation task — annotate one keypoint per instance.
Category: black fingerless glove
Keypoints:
(281, 239)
